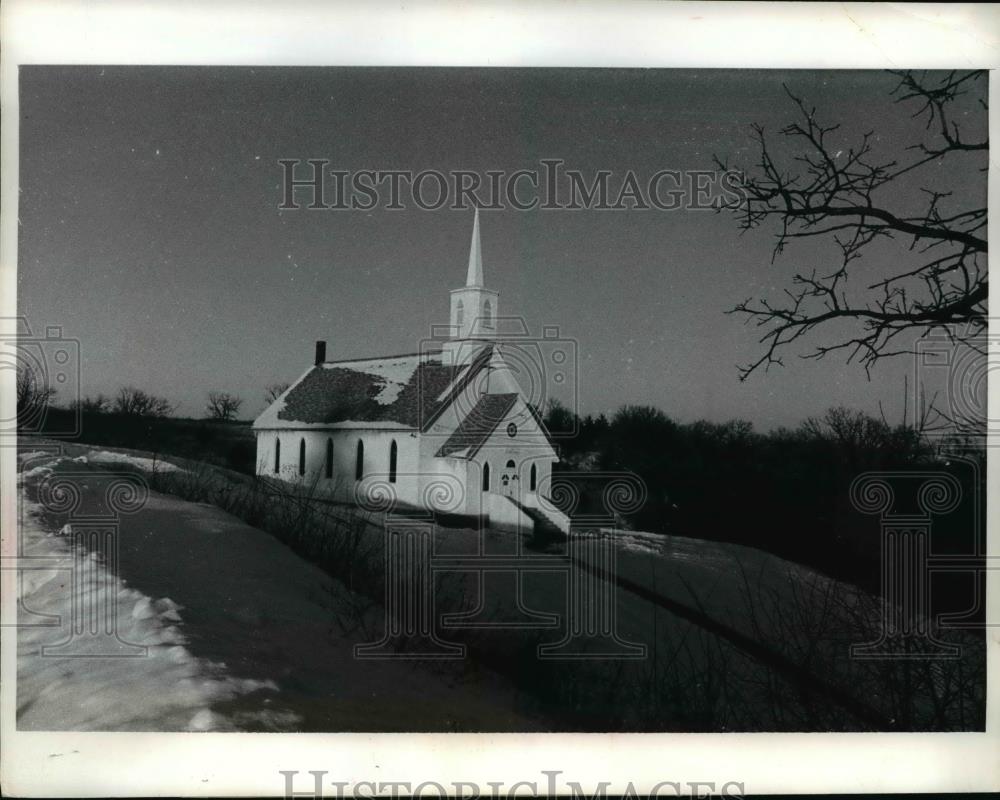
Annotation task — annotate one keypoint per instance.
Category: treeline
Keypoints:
(221, 443)
(785, 491)
(35, 396)
(135, 402)
(141, 420)
(138, 419)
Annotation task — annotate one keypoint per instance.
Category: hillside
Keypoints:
(241, 633)
(250, 634)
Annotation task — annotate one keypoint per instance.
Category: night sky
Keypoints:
(150, 227)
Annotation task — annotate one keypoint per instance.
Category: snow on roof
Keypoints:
(391, 374)
(404, 390)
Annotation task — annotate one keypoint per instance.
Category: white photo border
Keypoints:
(542, 34)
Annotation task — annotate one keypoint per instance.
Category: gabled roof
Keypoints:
(473, 431)
(407, 390)
(542, 426)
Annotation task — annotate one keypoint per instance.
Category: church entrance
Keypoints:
(509, 480)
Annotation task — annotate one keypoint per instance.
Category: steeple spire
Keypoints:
(474, 307)
(475, 276)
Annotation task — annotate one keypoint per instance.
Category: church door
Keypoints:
(509, 480)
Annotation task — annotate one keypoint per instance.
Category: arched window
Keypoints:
(459, 313)
(392, 462)
(511, 464)
(487, 314)
(486, 476)
(277, 456)
(359, 463)
(329, 458)
(532, 478)
(302, 456)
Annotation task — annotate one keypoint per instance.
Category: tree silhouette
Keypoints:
(848, 193)
(34, 395)
(223, 405)
(273, 391)
(139, 403)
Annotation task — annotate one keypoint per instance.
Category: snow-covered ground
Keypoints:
(223, 628)
(141, 462)
(243, 634)
(155, 683)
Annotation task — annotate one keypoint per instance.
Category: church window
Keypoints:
(459, 313)
(359, 463)
(532, 478)
(302, 456)
(329, 458)
(277, 456)
(486, 476)
(487, 314)
(392, 462)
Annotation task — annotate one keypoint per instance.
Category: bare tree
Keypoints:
(274, 391)
(34, 395)
(223, 405)
(138, 403)
(98, 404)
(828, 188)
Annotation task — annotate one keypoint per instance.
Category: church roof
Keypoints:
(407, 390)
(473, 431)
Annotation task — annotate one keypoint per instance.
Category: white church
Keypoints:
(448, 429)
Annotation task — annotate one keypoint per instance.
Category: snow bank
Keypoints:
(39, 470)
(29, 455)
(240, 634)
(145, 464)
(155, 683)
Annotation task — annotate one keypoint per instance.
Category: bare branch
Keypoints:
(841, 193)
(223, 405)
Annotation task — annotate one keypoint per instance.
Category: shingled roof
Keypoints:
(407, 390)
(473, 431)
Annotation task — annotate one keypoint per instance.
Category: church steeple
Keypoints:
(474, 307)
(475, 276)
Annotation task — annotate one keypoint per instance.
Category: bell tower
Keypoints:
(474, 307)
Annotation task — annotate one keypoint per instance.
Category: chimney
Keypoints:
(320, 352)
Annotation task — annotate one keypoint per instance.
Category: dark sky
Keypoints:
(150, 226)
